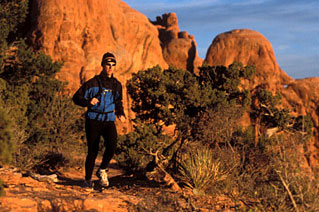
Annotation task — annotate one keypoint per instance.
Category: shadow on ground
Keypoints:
(121, 182)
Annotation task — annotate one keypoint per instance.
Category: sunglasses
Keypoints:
(110, 64)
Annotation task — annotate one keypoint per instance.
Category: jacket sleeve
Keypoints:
(119, 111)
(78, 97)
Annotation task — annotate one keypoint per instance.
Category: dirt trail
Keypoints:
(125, 193)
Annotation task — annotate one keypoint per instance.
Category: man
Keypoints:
(102, 95)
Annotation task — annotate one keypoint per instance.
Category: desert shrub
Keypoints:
(179, 98)
(199, 169)
(303, 124)
(266, 112)
(245, 166)
(6, 135)
(58, 132)
(273, 176)
(44, 121)
(59, 123)
(15, 104)
(137, 147)
(216, 126)
(12, 14)
(261, 170)
(297, 185)
(165, 97)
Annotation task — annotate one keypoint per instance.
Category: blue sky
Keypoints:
(292, 26)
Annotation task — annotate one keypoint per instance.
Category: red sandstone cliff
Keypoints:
(78, 32)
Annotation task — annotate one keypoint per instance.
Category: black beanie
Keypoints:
(108, 57)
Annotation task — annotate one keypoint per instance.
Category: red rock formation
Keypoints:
(179, 48)
(250, 48)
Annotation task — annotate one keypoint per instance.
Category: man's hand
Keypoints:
(122, 118)
(94, 101)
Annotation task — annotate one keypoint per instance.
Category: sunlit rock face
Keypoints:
(79, 32)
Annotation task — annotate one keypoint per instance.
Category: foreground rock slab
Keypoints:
(24, 193)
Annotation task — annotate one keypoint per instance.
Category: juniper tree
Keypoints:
(178, 97)
(267, 112)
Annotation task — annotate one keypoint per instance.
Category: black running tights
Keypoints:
(94, 130)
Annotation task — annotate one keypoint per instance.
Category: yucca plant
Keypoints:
(199, 170)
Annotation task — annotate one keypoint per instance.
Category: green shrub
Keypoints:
(263, 173)
(12, 15)
(179, 97)
(58, 132)
(59, 123)
(6, 135)
(304, 124)
(136, 148)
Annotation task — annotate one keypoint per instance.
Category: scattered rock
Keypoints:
(45, 178)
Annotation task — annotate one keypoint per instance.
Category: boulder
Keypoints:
(250, 48)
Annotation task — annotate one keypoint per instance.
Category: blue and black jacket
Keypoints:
(108, 90)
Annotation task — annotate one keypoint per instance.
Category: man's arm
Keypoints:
(79, 99)
(119, 110)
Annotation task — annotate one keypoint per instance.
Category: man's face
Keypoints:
(109, 66)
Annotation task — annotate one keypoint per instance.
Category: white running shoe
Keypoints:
(102, 175)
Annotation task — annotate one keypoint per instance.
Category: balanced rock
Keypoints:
(179, 48)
